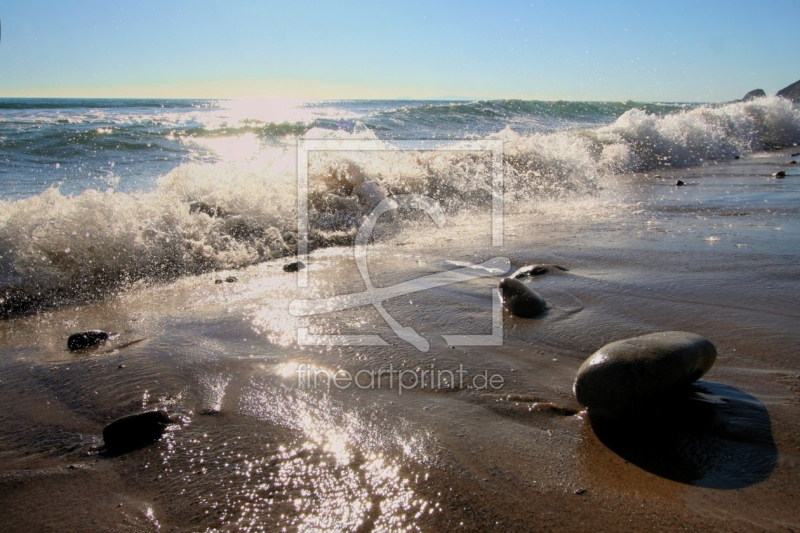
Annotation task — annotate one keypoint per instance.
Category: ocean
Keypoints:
(100, 192)
(77, 144)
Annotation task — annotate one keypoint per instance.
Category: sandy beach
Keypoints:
(259, 449)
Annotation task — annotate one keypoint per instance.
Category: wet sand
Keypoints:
(717, 257)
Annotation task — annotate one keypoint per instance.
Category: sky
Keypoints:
(643, 51)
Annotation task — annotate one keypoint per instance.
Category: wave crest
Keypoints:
(199, 218)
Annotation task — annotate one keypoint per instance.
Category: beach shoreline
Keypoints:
(716, 257)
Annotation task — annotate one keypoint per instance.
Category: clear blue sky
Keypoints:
(646, 51)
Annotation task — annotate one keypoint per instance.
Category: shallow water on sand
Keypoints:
(717, 257)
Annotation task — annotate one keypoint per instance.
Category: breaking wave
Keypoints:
(57, 248)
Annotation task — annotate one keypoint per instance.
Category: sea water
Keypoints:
(104, 193)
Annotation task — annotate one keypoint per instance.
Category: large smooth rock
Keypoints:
(134, 431)
(86, 339)
(627, 376)
(521, 300)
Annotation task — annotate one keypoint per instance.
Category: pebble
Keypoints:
(86, 339)
(536, 270)
(134, 431)
(520, 300)
(293, 267)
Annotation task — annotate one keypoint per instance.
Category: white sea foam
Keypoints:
(220, 216)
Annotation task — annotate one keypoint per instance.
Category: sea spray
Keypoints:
(58, 248)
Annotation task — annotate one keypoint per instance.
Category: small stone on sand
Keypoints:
(134, 431)
(293, 267)
(86, 339)
(521, 300)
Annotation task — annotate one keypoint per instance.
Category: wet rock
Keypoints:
(520, 300)
(736, 157)
(794, 154)
(627, 376)
(134, 431)
(294, 267)
(208, 209)
(536, 270)
(679, 183)
(231, 279)
(86, 339)
(792, 162)
(780, 174)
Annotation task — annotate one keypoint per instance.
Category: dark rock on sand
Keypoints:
(86, 339)
(521, 300)
(780, 174)
(736, 157)
(752, 95)
(627, 376)
(791, 92)
(679, 183)
(293, 267)
(134, 431)
(536, 270)
(231, 279)
(217, 281)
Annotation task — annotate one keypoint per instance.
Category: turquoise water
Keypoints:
(99, 194)
(79, 144)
